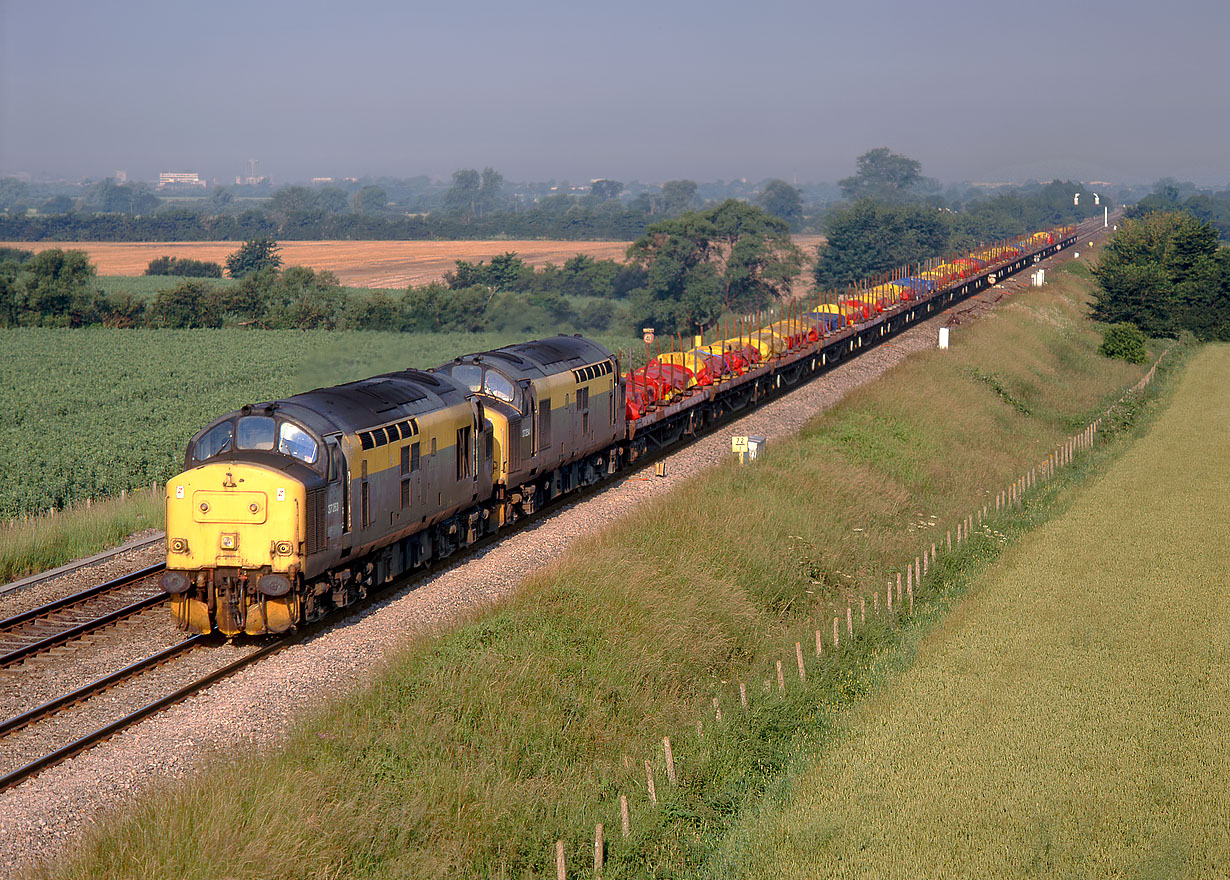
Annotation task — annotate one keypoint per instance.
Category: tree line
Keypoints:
(1164, 273)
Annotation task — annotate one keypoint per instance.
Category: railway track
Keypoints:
(40, 629)
(73, 722)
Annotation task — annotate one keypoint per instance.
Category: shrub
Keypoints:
(1124, 341)
(183, 267)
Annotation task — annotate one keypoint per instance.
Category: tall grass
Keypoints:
(471, 752)
(39, 543)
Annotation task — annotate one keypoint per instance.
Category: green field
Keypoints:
(477, 749)
(1070, 719)
(92, 411)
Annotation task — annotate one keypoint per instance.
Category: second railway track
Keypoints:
(40, 629)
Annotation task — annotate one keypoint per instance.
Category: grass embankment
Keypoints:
(1070, 721)
(476, 749)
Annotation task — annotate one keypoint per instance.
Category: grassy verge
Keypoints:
(43, 542)
(475, 750)
(1070, 720)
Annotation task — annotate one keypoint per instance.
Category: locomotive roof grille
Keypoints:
(389, 434)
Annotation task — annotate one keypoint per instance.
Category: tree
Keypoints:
(1164, 273)
(332, 200)
(462, 197)
(882, 174)
(304, 299)
(605, 190)
(56, 288)
(733, 256)
(370, 200)
(293, 200)
(252, 256)
(57, 205)
(870, 236)
(220, 197)
(108, 197)
(188, 304)
(782, 200)
(678, 196)
(490, 192)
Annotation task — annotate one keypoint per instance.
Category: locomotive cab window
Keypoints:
(469, 375)
(255, 432)
(297, 443)
(216, 440)
(497, 385)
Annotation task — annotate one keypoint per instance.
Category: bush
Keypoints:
(184, 267)
(1124, 341)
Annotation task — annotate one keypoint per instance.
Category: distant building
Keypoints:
(121, 176)
(179, 178)
(318, 181)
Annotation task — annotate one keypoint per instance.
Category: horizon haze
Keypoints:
(1124, 91)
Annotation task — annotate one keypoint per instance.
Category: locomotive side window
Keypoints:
(255, 432)
(414, 457)
(215, 441)
(297, 443)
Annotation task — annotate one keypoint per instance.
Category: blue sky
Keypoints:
(1098, 90)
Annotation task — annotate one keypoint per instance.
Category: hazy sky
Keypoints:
(1120, 90)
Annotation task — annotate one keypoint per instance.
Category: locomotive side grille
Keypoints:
(315, 520)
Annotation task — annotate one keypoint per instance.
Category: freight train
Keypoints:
(290, 509)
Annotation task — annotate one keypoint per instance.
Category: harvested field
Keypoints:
(356, 263)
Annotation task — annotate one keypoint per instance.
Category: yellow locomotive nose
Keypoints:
(234, 548)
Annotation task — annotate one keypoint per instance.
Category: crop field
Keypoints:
(355, 263)
(393, 264)
(1070, 720)
(90, 412)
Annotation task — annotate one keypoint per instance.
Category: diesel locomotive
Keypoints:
(289, 509)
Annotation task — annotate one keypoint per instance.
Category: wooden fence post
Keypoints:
(670, 760)
(849, 622)
(781, 679)
(625, 820)
(862, 609)
(836, 640)
(598, 850)
(798, 654)
(717, 710)
(560, 872)
(743, 695)
(653, 791)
